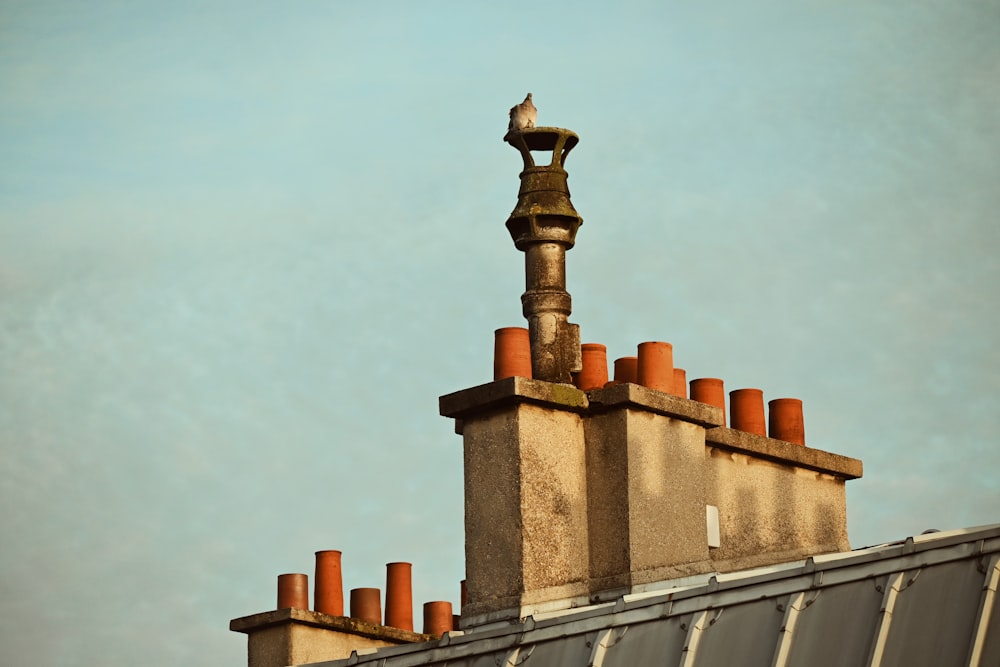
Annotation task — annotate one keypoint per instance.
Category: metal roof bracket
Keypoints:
(518, 655)
(605, 640)
(987, 605)
(911, 580)
(892, 590)
(796, 603)
(699, 623)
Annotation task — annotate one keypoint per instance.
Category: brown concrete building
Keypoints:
(620, 521)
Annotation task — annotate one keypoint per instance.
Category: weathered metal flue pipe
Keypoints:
(543, 226)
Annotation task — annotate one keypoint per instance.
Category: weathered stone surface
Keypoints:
(637, 396)
(543, 225)
(607, 503)
(772, 512)
(647, 498)
(512, 390)
(779, 451)
(526, 514)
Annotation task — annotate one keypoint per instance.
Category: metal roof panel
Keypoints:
(932, 622)
(929, 601)
(653, 643)
(851, 608)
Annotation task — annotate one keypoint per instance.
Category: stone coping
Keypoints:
(512, 390)
(345, 624)
(567, 397)
(461, 404)
(784, 452)
(631, 395)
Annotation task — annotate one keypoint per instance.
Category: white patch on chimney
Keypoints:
(712, 518)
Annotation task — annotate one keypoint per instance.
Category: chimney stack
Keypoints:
(577, 494)
(293, 634)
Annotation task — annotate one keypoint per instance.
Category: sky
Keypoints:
(244, 248)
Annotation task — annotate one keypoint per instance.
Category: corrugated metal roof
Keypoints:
(929, 600)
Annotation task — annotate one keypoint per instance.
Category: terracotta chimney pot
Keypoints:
(710, 391)
(746, 410)
(366, 605)
(656, 366)
(293, 591)
(329, 585)
(438, 618)
(399, 596)
(626, 369)
(595, 367)
(511, 353)
(680, 383)
(785, 420)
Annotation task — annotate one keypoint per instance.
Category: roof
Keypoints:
(927, 600)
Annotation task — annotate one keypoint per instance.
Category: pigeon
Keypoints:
(522, 115)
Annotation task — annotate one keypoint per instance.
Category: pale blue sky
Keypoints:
(245, 246)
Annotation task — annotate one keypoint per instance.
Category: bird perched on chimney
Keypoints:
(522, 115)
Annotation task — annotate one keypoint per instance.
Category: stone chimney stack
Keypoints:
(580, 493)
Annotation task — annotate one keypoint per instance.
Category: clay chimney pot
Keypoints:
(595, 367)
(656, 366)
(366, 605)
(438, 618)
(511, 353)
(626, 370)
(329, 586)
(293, 591)
(746, 410)
(785, 420)
(680, 383)
(399, 596)
(710, 391)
